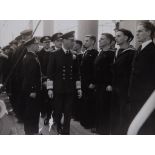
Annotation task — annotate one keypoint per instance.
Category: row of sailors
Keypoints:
(103, 90)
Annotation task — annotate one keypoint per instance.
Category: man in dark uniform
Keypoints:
(77, 106)
(7, 69)
(31, 87)
(87, 79)
(122, 67)
(103, 81)
(142, 81)
(63, 82)
(43, 57)
(16, 78)
(57, 44)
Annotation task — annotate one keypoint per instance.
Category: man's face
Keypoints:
(58, 43)
(68, 43)
(120, 38)
(142, 34)
(46, 44)
(76, 47)
(87, 42)
(104, 41)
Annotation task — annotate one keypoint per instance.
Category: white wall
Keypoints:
(9, 29)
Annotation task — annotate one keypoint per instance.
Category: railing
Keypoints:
(142, 115)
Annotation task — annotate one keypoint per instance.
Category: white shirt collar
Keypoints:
(145, 44)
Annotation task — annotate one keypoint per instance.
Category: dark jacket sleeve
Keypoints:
(92, 73)
(31, 75)
(76, 70)
(51, 68)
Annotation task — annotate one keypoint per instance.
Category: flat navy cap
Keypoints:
(45, 39)
(68, 35)
(56, 36)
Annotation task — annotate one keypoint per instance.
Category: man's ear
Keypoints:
(126, 38)
(148, 33)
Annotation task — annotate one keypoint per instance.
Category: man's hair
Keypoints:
(127, 33)
(79, 42)
(91, 37)
(149, 27)
(109, 36)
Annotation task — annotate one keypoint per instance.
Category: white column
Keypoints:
(87, 27)
(48, 27)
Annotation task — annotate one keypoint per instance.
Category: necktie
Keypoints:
(139, 49)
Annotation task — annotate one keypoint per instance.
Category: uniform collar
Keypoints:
(123, 51)
(65, 50)
(145, 44)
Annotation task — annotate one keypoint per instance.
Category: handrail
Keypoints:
(142, 115)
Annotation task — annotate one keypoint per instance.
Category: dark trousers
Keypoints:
(63, 104)
(31, 115)
(18, 106)
(46, 104)
(102, 110)
(120, 113)
(88, 108)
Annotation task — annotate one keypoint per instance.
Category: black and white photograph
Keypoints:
(77, 77)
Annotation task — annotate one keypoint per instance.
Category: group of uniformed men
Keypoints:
(103, 90)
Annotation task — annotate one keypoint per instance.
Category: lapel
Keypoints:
(147, 47)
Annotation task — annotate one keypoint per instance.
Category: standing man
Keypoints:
(103, 81)
(122, 67)
(88, 82)
(77, 107)
(16, 83)
(43, 57)
(57, 44)
(63, 82)
(16, 78)
(31, 87)
(7, 69)
(142, 81)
